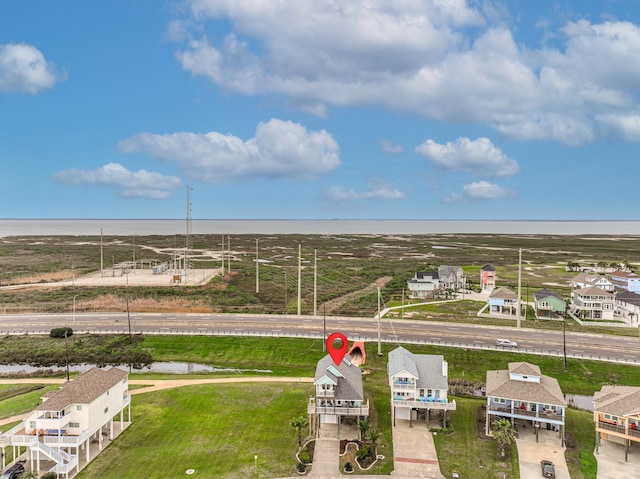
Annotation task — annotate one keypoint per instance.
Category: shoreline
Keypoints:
(143, 227)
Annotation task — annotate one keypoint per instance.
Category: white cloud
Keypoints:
(279, 149)
(23, 69)
(624, 126)
(440, 59)
(129, 184)
(377, 190)
(480, 190)
(478, 157)
(391, 147)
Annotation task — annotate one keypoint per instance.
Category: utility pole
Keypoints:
(379, 345)
(519, 287)
(222, 254)
(229, 253)
(286, 299)
(402, 310)
(66, 347)
(187, 243)
(564, 339)
(299, 277)
(315, 283)
(257, 270)
(324, 328)
(101, 256)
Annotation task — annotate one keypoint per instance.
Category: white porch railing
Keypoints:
(412, 403)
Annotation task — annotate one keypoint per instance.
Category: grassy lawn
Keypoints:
(23, 398)
(462, 451)
(239, 421)
(580, 459)
(213, 429)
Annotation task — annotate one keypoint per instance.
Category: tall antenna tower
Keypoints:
(187, 244)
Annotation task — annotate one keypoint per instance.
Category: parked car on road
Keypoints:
(548, 469)
(14, 471)
(506, 343)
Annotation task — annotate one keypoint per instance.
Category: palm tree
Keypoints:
(503, 433)
(363, 426)
(299, 423)
(373, 437)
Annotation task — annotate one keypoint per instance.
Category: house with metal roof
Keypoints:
(338, 393)
(418, 382)
(524, 395)
(616, 413)
(71, 419)
(548, 304)
(487, 278)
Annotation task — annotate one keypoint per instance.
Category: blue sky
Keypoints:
(314, 109)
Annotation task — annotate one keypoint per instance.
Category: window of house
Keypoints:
(79, 407)
(32, 424)
(500, 400)
(106, 410)
(74, 424)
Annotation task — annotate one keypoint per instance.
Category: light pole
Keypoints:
(564, 339)
(66, 347)
(324, 328)
(113, 266)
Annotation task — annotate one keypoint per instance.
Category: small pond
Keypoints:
(168, 367)
(579, 401)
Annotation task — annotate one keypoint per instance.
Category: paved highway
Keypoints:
(533, 341)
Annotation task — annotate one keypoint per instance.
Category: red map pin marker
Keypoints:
(337, 354)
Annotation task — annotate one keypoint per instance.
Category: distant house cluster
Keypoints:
(594, 296)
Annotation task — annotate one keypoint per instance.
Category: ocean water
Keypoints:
(141, 227)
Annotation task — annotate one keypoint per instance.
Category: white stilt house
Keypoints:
(71, 421)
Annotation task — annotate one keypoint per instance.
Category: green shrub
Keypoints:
(61, 332)
(304, 457)
(301, 467)
(363, 452)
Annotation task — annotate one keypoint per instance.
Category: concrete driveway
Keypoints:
(530, 453)
(414, 453)
(611, 464)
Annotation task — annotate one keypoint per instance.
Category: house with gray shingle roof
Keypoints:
(628, 307)
(548, 304)
(616, 412)
(418, 382)
(338, 393)
(69, 420)
(503, 301)
(592, 302)
(586, 280)
(524, 395)
(487, 278)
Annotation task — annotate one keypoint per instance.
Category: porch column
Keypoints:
(111, 429)
(87, 450)
(121, 419)
(626, 450)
